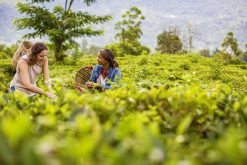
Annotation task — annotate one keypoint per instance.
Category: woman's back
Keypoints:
(33, 72)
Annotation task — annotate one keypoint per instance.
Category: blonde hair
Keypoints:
(21, 50)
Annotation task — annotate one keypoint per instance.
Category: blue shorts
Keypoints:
(12, 88)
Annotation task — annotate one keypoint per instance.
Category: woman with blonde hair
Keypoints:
(23, 49)
(28, 68)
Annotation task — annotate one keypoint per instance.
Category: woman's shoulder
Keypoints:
(22, 63)
(97, 67)
(24, 57)
(23, 60)
(115, 69)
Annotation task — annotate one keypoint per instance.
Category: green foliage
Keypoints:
(231, 42)
(227, 59)
(129, 34)
(215, 51)
(235, 61)
(185, 66)
(169, 42)
(165, 110)
(7, 52)
(243, 56)
(61, 25)
(205, 52)
(221, 56)
(129, 27)
(216, 71)
(129, 48)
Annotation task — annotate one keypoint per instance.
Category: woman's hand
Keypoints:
(89, 84)
(96, 85)
(51, 95)
(80, 89)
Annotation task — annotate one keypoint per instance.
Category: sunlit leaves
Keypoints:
(16, 129)
(164, 110)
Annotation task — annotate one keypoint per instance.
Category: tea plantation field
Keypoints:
(167, 109)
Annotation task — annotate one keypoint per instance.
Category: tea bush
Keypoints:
(180, 109)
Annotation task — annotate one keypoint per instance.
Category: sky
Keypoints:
(210, 20)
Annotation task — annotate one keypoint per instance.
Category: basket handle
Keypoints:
(88, 67)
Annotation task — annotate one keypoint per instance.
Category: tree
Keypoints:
(246, 49)
(61, 24)
(245, 54)
(205, 52)
(191, 32)
(2, 46)
(215, 51)
(169, 42)
(129, 27)
(231, 43)
(84, 45)
(188, 37)
(93, 50)
(129, 34)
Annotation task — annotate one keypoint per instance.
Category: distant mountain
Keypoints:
(210, 20)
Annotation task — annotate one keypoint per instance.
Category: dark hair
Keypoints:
(35, 50)
(109, 57)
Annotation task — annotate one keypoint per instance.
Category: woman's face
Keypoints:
(101, 60)
(42, 55)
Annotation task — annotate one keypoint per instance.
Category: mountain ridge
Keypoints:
(210, 19)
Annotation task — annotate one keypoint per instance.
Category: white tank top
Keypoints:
(101, 80)
(33, 71)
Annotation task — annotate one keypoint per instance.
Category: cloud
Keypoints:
(170, 16)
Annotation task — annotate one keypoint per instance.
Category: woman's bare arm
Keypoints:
(25, 79)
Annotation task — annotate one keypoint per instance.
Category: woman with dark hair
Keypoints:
(105, 72)
(28, 68)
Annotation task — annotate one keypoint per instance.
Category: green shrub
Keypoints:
(159, 113)
(185, 66)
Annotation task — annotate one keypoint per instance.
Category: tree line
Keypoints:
(62, 26)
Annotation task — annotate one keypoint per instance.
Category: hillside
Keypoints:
(167, 109)
(211, 20)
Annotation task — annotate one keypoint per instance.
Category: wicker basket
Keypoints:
(83, 76)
